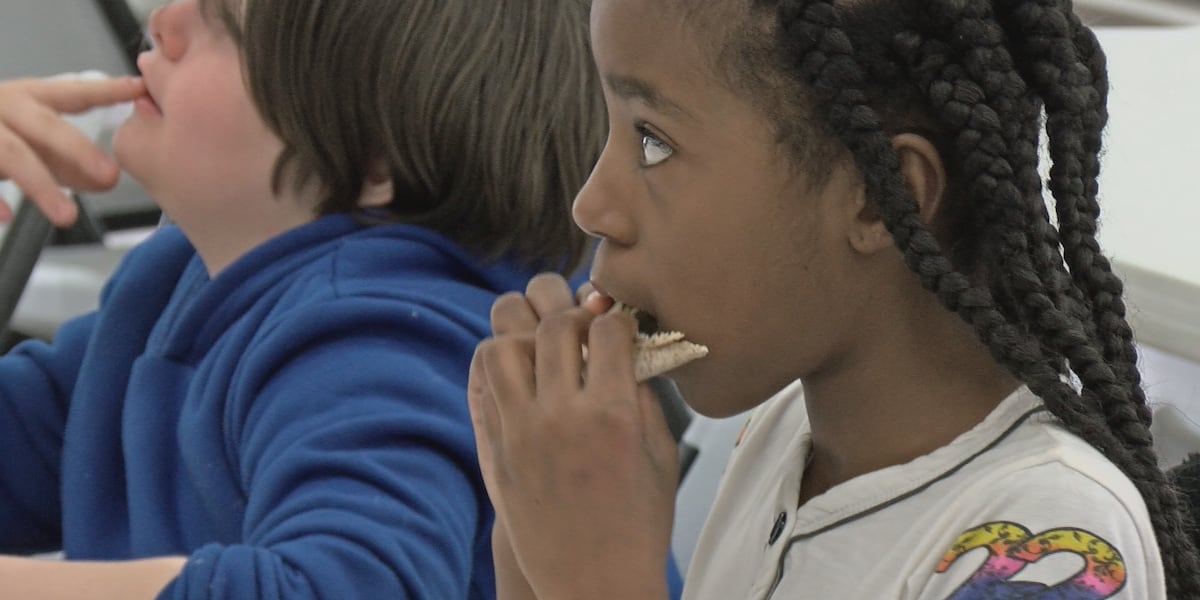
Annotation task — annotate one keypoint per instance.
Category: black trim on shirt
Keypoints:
(902, 497)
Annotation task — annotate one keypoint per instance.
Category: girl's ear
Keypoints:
(924, 174)
(377, 189)
(923, 171)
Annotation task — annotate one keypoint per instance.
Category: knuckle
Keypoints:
(557, 322)
(614, 324)
(546, 283)
(42, 118)
(492, 349)
(508, 306)
(54, 131)
(10, 147)
(507, 344)
(484, 347)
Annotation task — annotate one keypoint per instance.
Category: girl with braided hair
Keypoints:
(842, 201)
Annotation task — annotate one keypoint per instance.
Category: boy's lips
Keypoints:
(147, 101)
(146, 104)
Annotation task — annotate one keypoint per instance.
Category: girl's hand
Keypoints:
(582, 473)
(41, 152)
(510, 581)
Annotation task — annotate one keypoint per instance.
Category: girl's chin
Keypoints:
(700, 397)
(715, 396)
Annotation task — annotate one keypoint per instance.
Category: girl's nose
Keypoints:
(601, 207)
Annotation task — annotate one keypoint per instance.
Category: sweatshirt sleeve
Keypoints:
(351, 434)
(36, 381)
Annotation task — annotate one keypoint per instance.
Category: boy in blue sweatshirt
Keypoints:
(270, 400)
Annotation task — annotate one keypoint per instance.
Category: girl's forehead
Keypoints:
(646, 34)
(655, 52)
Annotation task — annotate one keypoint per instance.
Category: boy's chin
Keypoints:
(125, 150)
(122, 145)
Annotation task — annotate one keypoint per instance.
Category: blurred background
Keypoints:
(1148, 194)
(1124, 13)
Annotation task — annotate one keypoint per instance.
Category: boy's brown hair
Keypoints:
(487, 116)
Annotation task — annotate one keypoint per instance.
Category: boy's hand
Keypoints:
(41, 152)
(582, 474)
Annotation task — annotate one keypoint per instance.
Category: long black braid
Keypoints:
(982, 69)
(1076, 106)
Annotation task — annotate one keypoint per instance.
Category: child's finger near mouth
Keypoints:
(548, 294)
(512, 313)
(595, 302)
(584, 291)
(611, 347)
(558, 363)
(507, 365)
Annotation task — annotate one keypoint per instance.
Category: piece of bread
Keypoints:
(660, 352)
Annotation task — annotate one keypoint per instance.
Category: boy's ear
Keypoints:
(924, 174)
(377, 189)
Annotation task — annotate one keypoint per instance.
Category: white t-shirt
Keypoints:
(1013, 507)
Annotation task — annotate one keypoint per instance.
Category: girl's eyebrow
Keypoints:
(632, 88)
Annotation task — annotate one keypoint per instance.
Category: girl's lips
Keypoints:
(647, 318)
(599, 289)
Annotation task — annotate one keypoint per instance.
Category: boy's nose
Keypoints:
(167, 27)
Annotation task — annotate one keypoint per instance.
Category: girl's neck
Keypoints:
(897, 398)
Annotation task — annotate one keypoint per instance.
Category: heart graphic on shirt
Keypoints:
(1011, 547)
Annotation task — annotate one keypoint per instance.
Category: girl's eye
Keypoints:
(654, 150)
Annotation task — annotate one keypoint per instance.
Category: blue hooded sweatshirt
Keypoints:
(297, 425)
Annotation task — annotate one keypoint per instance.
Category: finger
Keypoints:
(72, 157)
(597, 303)
(657, 432)
(74, 95)
(558, 363)
(512, 313)
(21, 164)
(610, 355)
(549, 293)
(508, 367)
(584, 291)
(485, 422)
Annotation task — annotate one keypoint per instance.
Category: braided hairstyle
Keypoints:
(979, 78)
